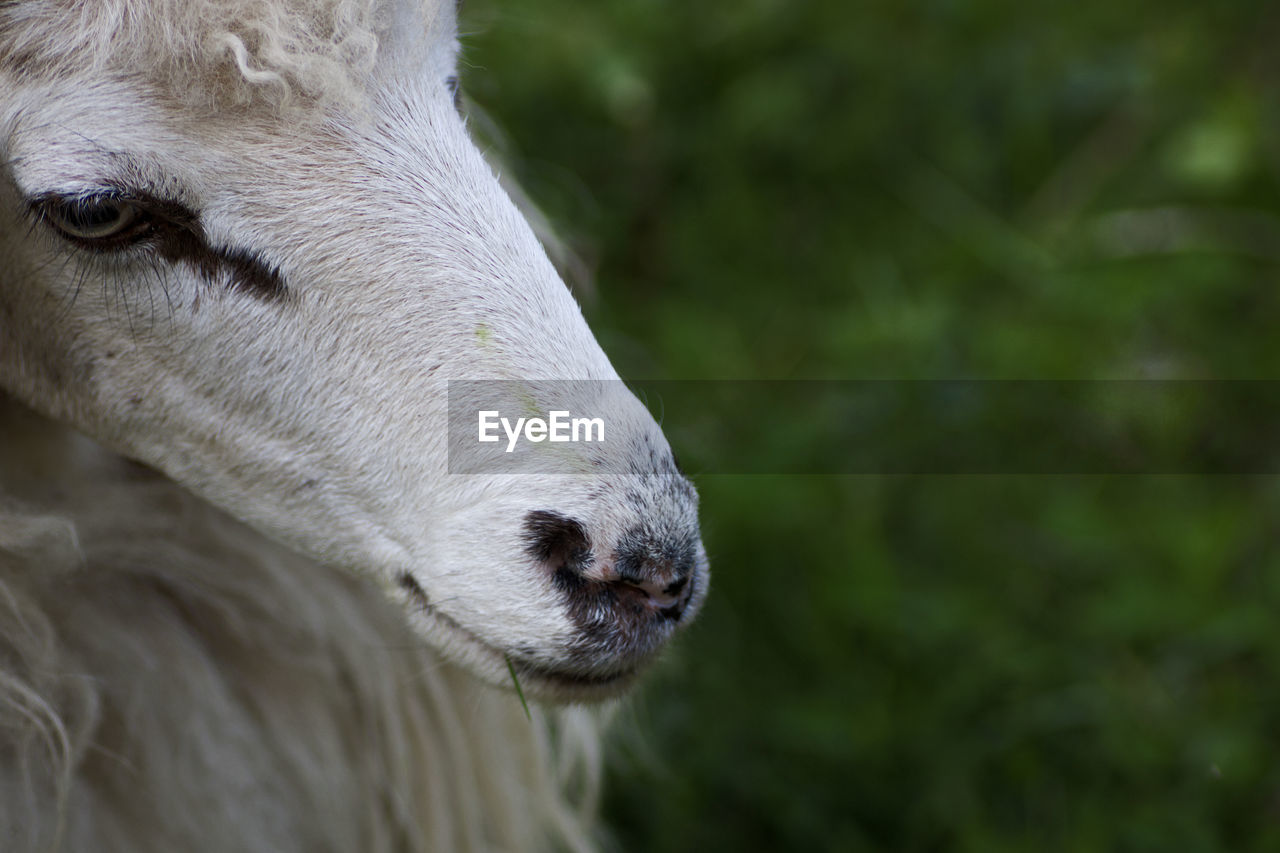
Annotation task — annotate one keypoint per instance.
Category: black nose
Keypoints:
(660, 566)
(652, 570)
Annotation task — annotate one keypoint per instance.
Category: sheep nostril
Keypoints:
(645, 573)
(678, 593)
(668, 600)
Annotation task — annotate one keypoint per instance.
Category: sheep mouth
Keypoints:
(495, 665)
(572, 681)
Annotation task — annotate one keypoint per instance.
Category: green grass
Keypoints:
(519, 690)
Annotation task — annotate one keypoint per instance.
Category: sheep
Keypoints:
(253, 595)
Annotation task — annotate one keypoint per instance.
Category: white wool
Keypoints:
(204, 49)
(170, 680)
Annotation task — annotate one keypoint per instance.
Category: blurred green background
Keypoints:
(932, 189)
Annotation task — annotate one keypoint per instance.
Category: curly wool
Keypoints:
(204, 50)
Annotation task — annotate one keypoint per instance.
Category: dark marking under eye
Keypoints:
(177, 235)
(185, 241)
(247, 271)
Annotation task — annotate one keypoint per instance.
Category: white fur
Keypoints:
(172, 681)
(168, 678)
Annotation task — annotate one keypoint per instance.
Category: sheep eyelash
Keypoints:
(168, 232)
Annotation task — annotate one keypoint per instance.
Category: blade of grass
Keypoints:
(516, 681)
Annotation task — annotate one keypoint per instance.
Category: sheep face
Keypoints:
(269, 303)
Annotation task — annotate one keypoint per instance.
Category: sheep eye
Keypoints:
(98, 221)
